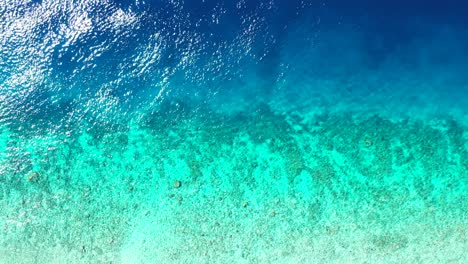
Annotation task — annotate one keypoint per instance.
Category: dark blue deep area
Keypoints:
(204, 48)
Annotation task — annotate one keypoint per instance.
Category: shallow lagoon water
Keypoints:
(232, 132)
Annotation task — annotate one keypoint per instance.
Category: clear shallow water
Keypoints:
(234, 132)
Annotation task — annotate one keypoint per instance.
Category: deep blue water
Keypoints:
(203, 44)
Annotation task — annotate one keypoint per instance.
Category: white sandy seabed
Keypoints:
(270, 186)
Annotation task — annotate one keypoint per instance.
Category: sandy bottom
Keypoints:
(253, 187)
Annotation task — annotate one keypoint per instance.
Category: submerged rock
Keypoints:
(177, 184)
(33, 176)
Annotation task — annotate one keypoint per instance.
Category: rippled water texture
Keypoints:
(233, 132)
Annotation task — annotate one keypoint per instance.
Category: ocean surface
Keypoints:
(203, 131)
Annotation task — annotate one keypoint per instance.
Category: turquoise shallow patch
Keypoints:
(342, 188)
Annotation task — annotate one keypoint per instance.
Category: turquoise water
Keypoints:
(247, 132)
